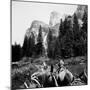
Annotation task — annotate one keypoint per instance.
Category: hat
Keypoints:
(44, 64)
(61, 62)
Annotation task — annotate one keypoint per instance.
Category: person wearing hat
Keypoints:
(45, 66)
(60, 65)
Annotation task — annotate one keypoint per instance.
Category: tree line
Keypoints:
(29, 48)
(71, 41)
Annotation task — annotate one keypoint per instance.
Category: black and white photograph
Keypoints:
(49, 44)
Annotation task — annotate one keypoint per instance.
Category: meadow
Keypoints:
(23, 69)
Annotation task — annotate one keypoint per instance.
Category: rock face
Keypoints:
(53, 26)
(54, 22)
(55, 29)
(54, 18)
(80, 12)
(35, 30)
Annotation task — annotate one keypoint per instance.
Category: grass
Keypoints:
(30, 65)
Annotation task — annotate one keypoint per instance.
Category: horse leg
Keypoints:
(55, 81)
(25, 84)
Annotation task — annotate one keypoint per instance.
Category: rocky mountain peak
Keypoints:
(80, 11)
(54, 18)
(34, 29)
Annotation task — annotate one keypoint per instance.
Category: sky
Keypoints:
(23, 13)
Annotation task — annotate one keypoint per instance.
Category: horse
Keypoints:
(45, 79)
(64, 77)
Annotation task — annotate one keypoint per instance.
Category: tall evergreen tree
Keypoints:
(77, 43)
(57, 51)
(84, 26)
(49, 41)
(58, 42)
(61, 29)
(40, 39)
(39, 45)
(31, 44)
(65, 38)
(25, 45)
(85, 20)
(67, 43)
(28, 45)
(83, 32)
(76, 30)
(16, 52)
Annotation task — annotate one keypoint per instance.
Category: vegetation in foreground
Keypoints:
(22, 69)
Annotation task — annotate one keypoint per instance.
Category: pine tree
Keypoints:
(31, 44)
(40, 39)
(84, 19)
(84, 26)
(83, 33)
(57, 51)
(49, 41)
(25, 45)
(61, 29)
(28, 45)
(39, 46)
(77, 43)
(58, 42)
(65, 38)
(76, 28)
(16, 52)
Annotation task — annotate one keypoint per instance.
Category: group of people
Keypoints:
(51, 77)
(60, 66)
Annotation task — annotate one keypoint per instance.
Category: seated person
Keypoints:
(61, 65)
